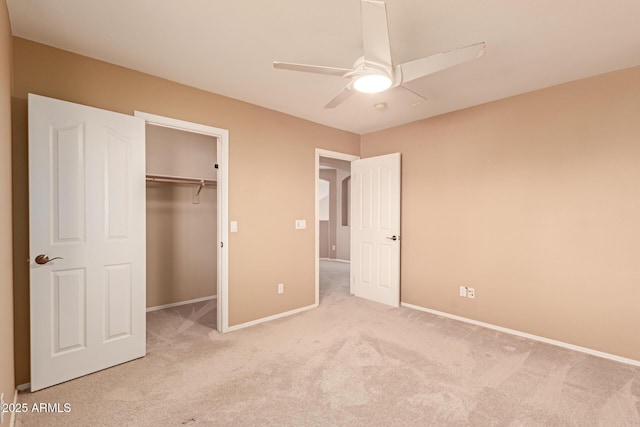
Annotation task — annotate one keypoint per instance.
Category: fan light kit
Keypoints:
(374, 72)
(372, 83)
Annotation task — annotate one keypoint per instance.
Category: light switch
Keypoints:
(301, 224)
(234, 226)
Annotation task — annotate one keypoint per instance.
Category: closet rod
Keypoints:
(180, 180)
(201, 183)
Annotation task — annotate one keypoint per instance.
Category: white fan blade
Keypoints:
(434, 63)
(316, 69)
(418, 99)
(375, 32)
(342, 96)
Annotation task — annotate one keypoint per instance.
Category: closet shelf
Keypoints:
(200, 182)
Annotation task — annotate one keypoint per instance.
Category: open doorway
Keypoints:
(333, 234)
(181, 214)
(194, 188)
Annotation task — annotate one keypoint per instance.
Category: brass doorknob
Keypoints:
(44, 259)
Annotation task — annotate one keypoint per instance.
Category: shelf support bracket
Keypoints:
(196, 193)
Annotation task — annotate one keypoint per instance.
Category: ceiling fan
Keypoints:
(374, 72)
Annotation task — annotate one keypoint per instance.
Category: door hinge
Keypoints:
(215, 166)
(222, 244)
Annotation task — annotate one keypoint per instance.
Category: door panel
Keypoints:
(68, 308)
(375, 203)
(87, 206)
(117, 182)
(67, 176)
(118, 309)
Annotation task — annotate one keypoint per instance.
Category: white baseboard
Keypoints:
(526, 335)
(269, 318)
(176, 304)
(336, 259)
(24, 387)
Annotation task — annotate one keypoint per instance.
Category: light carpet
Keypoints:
(349, 362)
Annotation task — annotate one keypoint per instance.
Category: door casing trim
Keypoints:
(222, 136)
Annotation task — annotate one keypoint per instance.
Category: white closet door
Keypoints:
(87, 208)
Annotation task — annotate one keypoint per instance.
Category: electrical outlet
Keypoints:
(471, 293)
(281, 288)
(463, 291)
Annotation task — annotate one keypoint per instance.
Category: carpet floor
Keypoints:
(350, 362)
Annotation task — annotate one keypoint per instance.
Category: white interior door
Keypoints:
(375, 228)
(87, 207)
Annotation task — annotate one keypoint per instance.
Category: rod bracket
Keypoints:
(196, 192)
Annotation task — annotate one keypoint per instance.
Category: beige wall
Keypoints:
(535, 202)
(323, 238)
(7, 383)
(267, 250)
(175, 152)
(181, 236)
(181, 244)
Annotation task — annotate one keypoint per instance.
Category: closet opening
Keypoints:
(186, 211)
(181, 223)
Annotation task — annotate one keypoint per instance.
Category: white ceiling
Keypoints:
(227, 47)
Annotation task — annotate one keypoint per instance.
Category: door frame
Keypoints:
(222, 136)
(332, 155)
